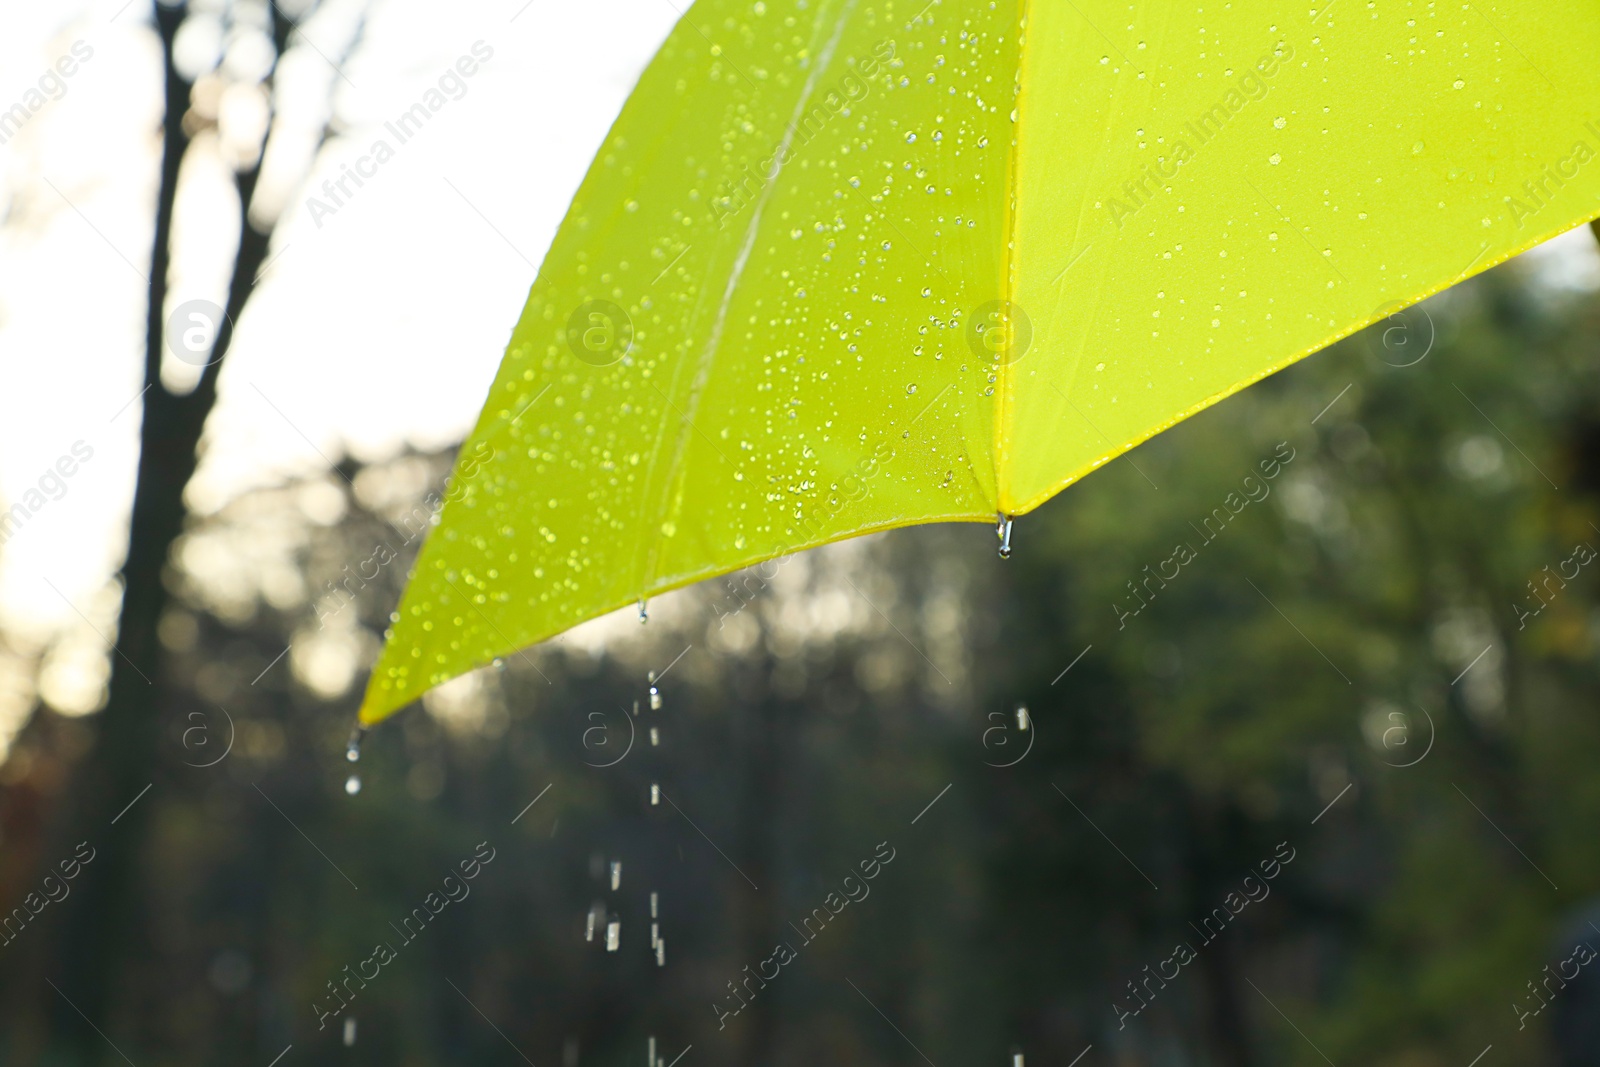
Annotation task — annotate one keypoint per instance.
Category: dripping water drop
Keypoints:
(352, 784)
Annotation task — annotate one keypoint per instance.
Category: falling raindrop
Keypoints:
(352, 784)
(655, 737)
(613, 935)
(655, 905)
(661, 952)
(652, 1060)
(1016, 1059)
(655, 934)
(655, 699)
(588, 926)
(655, 795)
(1022, 716)
(352, 748)
(616, 875)
(1003, 530)
(350, 1031)
(569, 1052)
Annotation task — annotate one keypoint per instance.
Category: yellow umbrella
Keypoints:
(843, 266)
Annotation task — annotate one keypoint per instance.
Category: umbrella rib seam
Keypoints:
(1002, 412)
(714, 341)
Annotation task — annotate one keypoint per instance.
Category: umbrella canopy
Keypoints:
(842, 266)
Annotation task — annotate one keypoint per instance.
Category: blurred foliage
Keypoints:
(1360, 616)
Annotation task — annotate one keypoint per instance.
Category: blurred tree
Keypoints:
(106, 921)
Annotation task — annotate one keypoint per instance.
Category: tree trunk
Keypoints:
(102, 928)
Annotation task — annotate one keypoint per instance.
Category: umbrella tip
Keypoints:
(1003, 531)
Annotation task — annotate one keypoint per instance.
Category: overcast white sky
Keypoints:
(381, 326)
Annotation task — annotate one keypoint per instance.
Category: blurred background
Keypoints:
(1321, 796)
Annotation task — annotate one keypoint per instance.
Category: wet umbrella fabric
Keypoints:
(844, 266)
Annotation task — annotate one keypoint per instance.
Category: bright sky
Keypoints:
(382, 325)
(377, 325)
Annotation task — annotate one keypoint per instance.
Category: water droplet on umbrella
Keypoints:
(352, 784)
(350, 1031)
